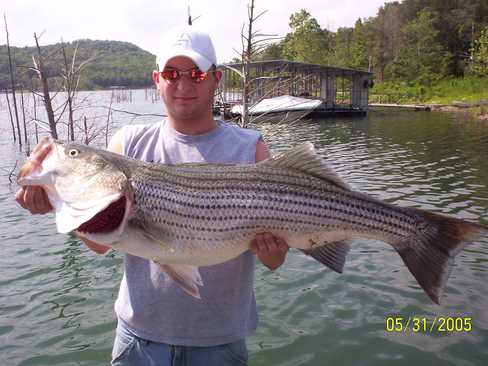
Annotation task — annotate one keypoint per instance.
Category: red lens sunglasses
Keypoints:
(196, 75)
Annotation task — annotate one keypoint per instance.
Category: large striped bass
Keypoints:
(190, 215)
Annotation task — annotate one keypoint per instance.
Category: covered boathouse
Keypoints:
(327, 90)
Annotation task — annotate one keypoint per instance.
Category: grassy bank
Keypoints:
(468, 89)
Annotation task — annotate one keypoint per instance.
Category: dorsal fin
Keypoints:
(304, 158)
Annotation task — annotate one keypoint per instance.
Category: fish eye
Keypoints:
(73, 152)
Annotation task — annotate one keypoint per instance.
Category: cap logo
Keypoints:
(184, 41)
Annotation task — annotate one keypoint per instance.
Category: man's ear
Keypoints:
(155, 77)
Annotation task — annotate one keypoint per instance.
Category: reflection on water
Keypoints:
(56, 297)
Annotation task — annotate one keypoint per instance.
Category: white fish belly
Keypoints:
(138, 243)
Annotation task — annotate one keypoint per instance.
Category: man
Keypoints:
(159, 324)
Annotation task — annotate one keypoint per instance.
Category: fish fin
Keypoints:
(332, 255)
(187, 277)
(430, 257)
(161, 240)
(304, 158)
(153, 234)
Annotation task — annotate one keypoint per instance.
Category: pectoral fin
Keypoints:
(187, 277)
(332, 255)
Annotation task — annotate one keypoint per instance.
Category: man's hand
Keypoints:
(271, 250)
(34, 198)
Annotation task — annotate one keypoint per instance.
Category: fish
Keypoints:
(185, 216)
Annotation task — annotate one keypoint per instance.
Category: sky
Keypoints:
(143, 22)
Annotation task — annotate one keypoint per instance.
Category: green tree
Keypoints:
(479, 63)
(350, 47)
(342, 47)
(273, 51)
(359, 50)
(384, 37)
(307, 42)
(423, 58)
(455, 22)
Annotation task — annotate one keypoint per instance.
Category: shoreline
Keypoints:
(477, 111)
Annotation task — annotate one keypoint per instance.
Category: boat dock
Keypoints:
(339, 91)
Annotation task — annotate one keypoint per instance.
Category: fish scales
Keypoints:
(176, 198)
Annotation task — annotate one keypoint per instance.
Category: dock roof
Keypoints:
(300, 67)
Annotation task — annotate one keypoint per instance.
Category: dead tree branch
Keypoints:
(109, 113)
(11, 171)
(39, 69)
(23, 116)
(12, 80)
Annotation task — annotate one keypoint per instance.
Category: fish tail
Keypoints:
(430, 255)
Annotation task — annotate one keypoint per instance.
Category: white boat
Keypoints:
(284, 103)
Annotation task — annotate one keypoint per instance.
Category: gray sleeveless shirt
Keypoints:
(152, 306)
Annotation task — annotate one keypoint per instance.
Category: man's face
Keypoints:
(185, 99)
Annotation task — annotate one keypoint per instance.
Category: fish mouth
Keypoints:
(40, 174)
(106, 221)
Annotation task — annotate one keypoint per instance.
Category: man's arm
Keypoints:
(271, 250)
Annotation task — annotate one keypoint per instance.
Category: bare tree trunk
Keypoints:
(11, 117)
(35, 113)
(23, 115)
(45, 88)
(12, 81)
(108, 119)
(69, 90)
(252, 43)
(86, 130)
(246, 59)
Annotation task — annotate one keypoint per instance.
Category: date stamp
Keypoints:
(425, 324)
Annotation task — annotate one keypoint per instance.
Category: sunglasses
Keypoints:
(196, 75)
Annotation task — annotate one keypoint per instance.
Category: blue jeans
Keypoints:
(130, 350)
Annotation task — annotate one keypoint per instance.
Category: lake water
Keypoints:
(56, 297)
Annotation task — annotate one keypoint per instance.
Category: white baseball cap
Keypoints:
(188, 42)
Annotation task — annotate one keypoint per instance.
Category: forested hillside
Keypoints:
(112, 63)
